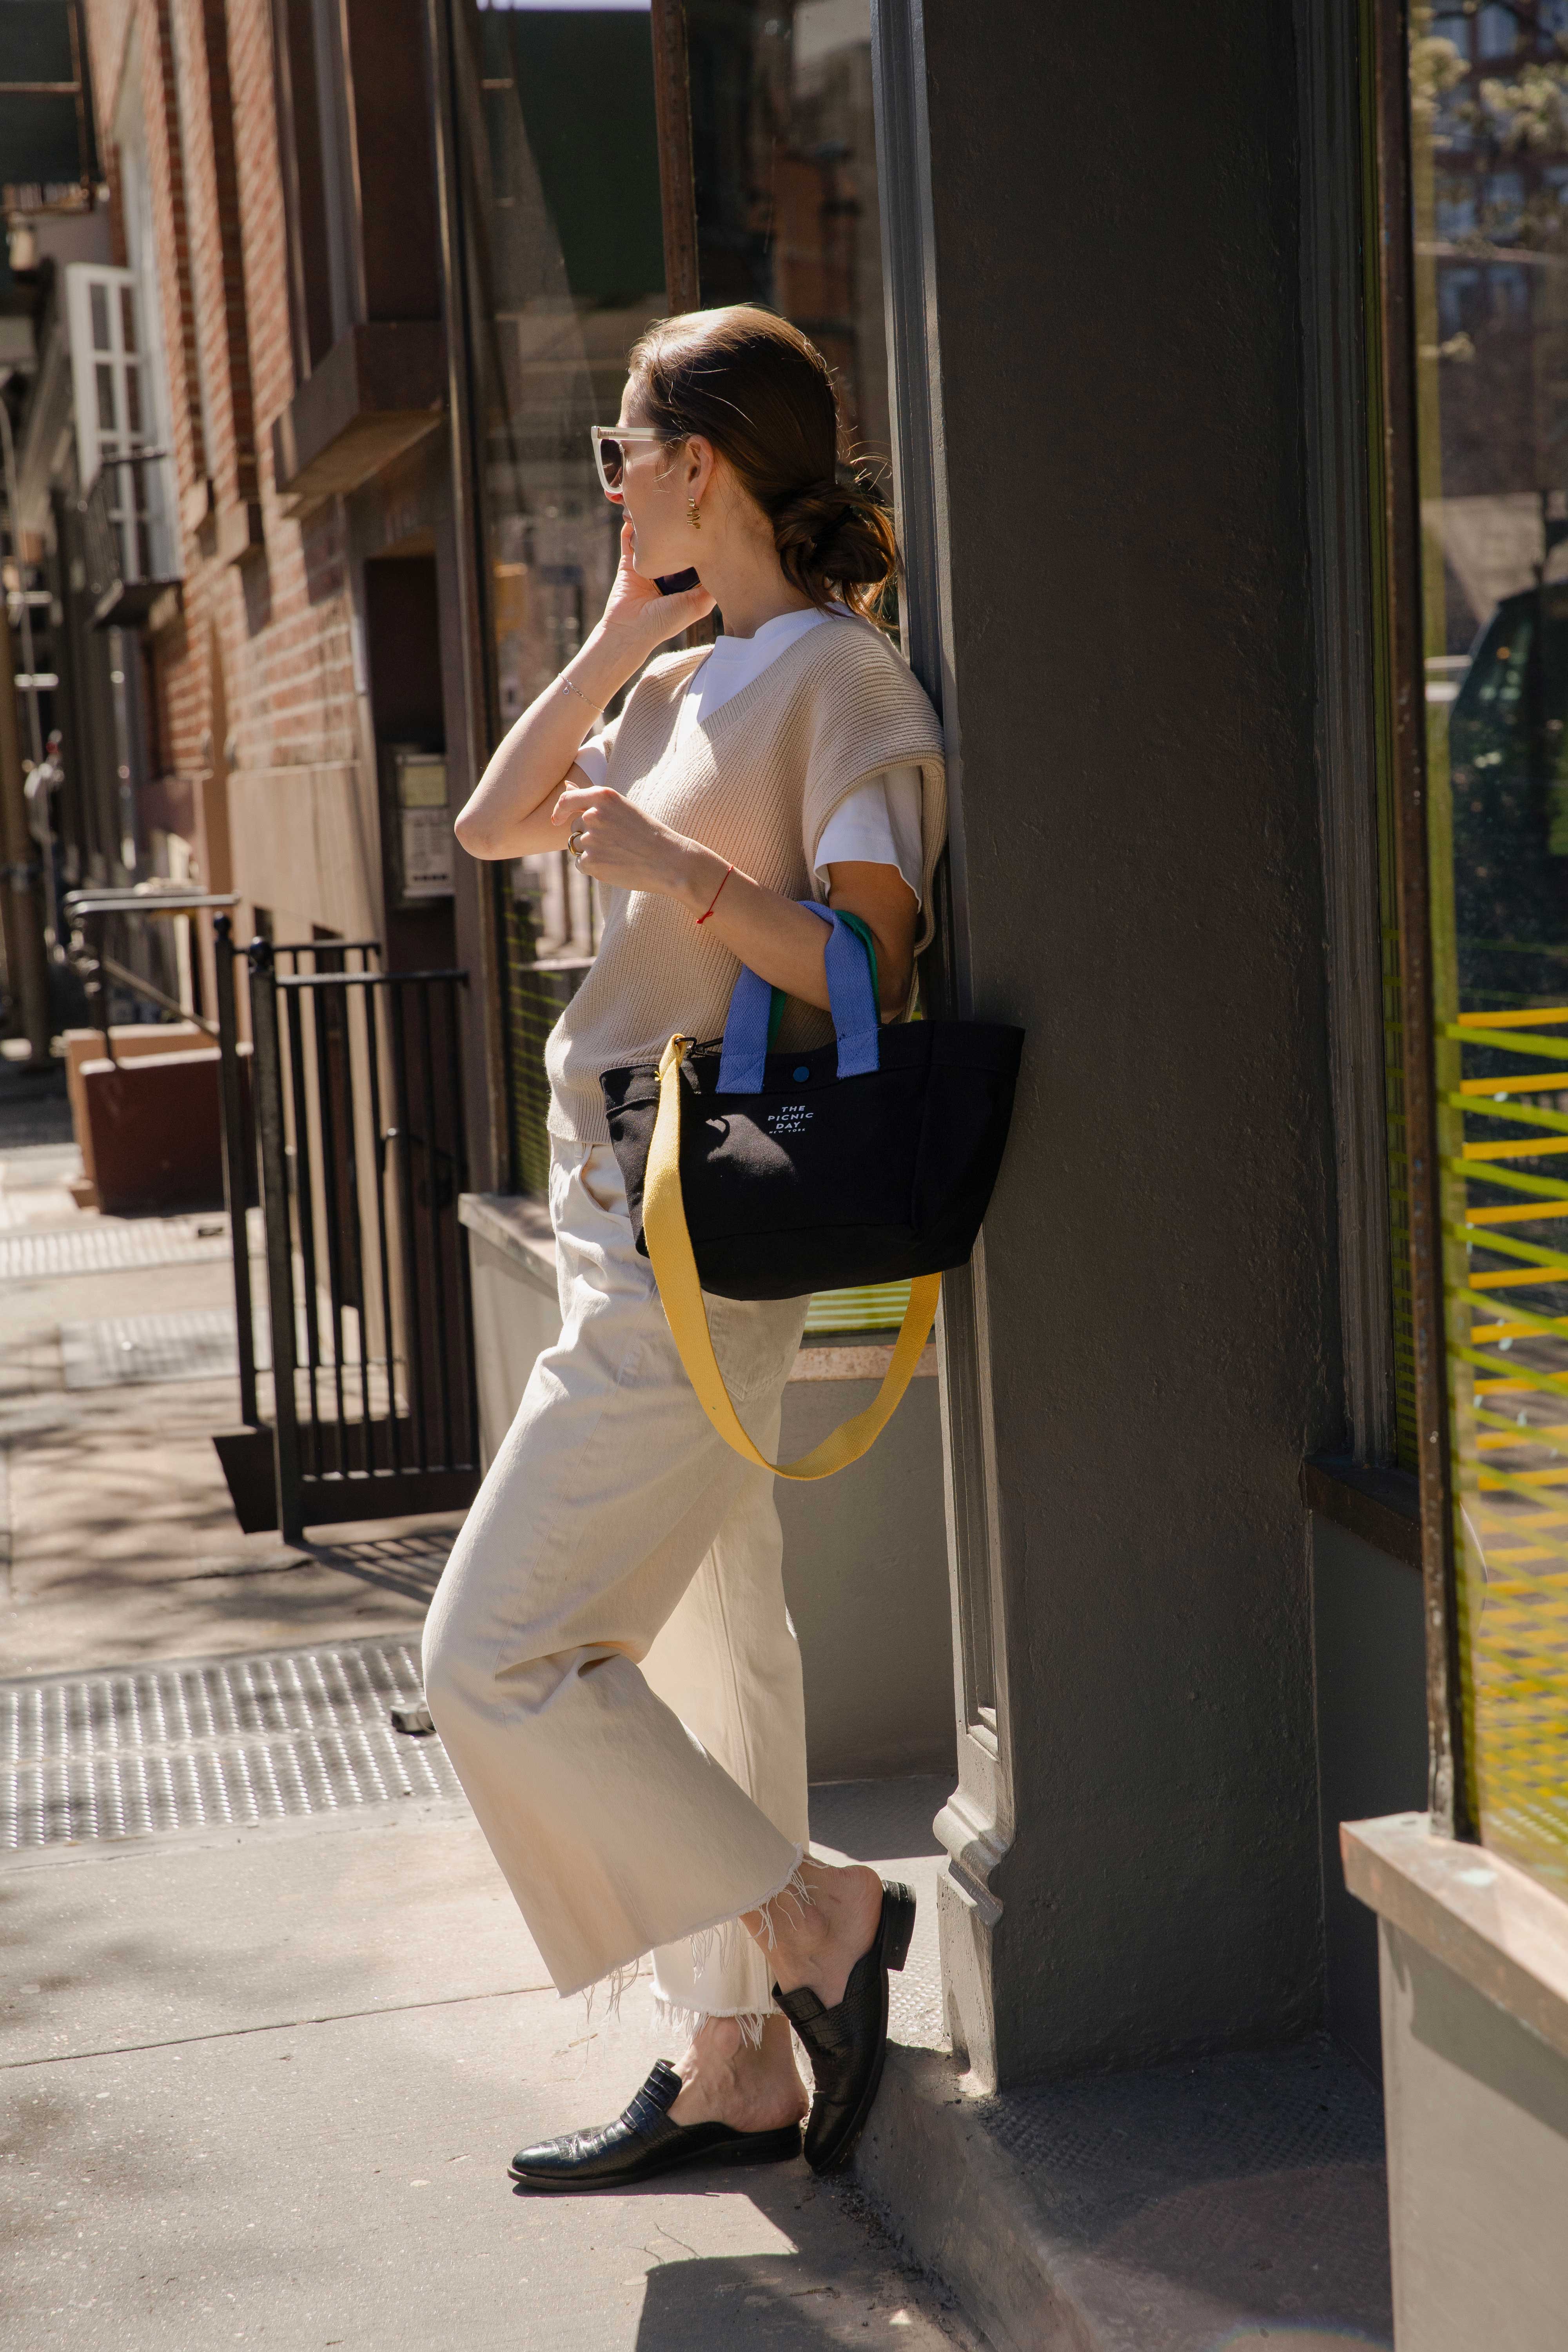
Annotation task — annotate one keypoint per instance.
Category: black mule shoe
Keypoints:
(847, 2044)
(644, 2142)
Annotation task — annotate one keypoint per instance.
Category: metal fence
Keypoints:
(356, 1101)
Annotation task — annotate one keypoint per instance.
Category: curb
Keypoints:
(956, 2201)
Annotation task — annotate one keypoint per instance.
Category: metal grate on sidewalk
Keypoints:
(127, 1351)
(112, 1246)
(134, 1751)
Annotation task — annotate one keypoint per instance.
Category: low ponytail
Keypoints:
(836, 543)
(762, 392)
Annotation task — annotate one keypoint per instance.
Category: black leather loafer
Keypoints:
(644, 2142)
(846, 2045)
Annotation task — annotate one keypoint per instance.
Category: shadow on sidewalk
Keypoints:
(796, 2299)
(33, 1105)
(405, 1563)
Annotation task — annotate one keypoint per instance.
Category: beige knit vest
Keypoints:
(756, 784)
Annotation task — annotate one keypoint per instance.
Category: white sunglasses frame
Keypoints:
(601, 433)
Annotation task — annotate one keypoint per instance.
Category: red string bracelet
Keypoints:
(713, 901)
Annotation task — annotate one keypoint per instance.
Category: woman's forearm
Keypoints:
(621, 848)
(777, 939)
(781, 941)
(532, 759)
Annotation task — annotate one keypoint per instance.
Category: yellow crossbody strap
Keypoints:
(675, 1268)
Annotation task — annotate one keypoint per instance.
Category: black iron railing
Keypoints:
(357, 1089)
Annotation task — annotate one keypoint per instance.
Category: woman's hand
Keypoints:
(617, 846)
(616, 843)
(636, 613)
(504, 817)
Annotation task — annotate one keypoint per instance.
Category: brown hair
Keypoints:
(762, 394)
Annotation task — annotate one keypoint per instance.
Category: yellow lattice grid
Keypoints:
(1505, 1199)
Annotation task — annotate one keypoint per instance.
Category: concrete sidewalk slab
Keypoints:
(152, 1940)
(344, 2186)
(125, 1547)
(34, 1184)
(118, 1540)
(120, 1543)
(124, 1944)
(33, 1308)
(285, 2065)
(261, 2087)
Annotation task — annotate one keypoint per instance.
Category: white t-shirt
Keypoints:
(877, 824)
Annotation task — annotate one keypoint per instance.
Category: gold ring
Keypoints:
(574, 843)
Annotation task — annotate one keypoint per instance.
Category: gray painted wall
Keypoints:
(1478, 2163)
(1369, 1637)
(866, 1577)
(1115, 261)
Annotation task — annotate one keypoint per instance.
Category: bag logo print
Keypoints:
(790, 1121)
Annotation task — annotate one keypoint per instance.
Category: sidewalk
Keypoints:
(263, 2086)
(118, 1541)
(272, 2026)
(262, 2076)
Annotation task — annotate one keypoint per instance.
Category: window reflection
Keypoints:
(784, 149)
(1489, 114)
(784, 157)
(565, 243)
(566, 268)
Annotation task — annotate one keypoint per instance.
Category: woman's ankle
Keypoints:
(740, 2072)
(816, 1930)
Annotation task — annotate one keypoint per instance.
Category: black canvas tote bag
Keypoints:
(766, 1175)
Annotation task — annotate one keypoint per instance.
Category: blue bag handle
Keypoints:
(741, 1066)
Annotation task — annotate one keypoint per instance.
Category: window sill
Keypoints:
(1382, 1507)
(520, 1229)
(1487, 1920)
(238, 532)
(379, 389)
(149, 605)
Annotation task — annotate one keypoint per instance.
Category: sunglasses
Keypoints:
(610, 444)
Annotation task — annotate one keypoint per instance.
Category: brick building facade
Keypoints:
(254, 727)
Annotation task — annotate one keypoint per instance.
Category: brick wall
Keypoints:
(278, 619)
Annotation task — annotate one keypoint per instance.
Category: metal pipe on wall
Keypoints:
(34, 725)
(26, 968)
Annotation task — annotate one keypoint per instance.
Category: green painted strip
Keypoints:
(1489, 1237)
(1525, 1436)
(1513, 1179)
(1551, 1327)
(1507, 1041)
(1521, 1114)
(875, 1307)
(1511, 1368)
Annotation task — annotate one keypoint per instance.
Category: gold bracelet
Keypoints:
(564, 683)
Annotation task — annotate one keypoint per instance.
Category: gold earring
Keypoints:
(696, 517)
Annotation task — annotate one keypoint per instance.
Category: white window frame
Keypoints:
(143, 519)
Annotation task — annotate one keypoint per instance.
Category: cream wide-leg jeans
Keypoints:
(607, 1658)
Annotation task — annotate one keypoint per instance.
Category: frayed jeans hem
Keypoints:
(615, 1980)
(679, 2019)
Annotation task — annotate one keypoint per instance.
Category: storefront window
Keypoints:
(1490, 179)
(564, 255)
(784, 155)
(565, 258)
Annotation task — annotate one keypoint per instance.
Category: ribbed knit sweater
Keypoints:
(756, 783)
